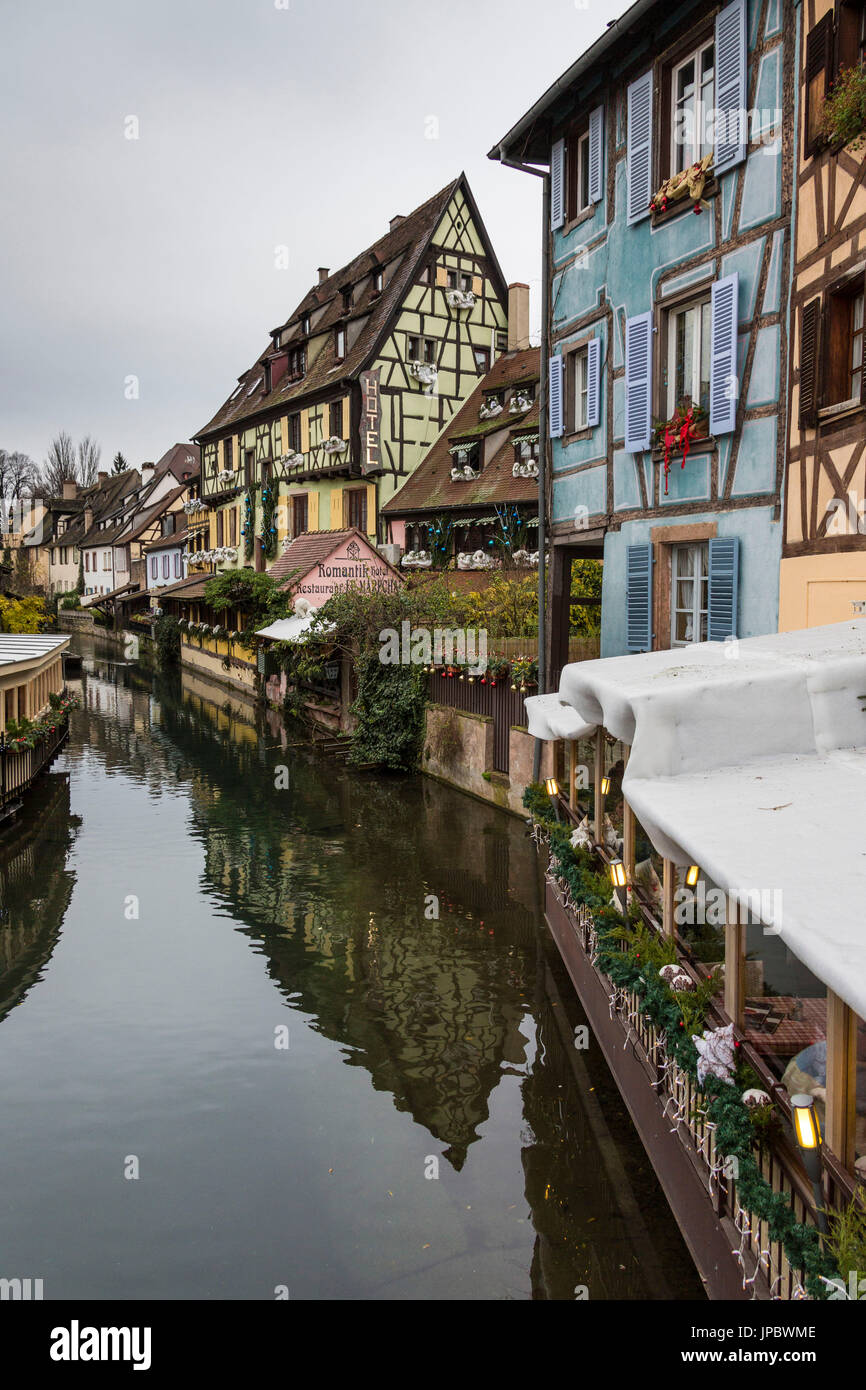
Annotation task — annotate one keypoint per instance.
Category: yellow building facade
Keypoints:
(823, 567)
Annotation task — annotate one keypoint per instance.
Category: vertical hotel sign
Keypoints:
(371, 419)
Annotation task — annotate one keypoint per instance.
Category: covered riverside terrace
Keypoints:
(31, 670)
(745, 763)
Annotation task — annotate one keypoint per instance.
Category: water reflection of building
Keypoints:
(35, 887)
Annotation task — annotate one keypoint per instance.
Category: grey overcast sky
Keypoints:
(262, 123)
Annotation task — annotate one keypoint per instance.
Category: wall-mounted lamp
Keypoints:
(605, 786)
(552, 787)
(807, 1132)
(616, 868)
(692, 875)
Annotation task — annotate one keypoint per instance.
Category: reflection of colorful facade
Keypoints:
(33, 851)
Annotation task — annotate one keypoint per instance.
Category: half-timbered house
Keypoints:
(823, 569)
(353, 387)
(667, 145)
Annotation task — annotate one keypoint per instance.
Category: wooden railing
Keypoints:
(19, 767)
(761, 1259)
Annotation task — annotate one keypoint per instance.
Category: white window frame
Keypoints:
(700, 591)
(580, 387)
(693, 150)
(704, 303)
(582, 200)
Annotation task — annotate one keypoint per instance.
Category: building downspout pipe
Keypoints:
(543, 432)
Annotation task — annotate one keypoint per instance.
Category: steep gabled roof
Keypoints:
(401, 250)
(431, 489)
(310, 548)
(102, 499)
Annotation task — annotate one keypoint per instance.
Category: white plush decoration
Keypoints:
(334, 445)
(490, 410)
(525, 470)
(520, 404)
(754, 1098)
(582, 837)
(425, 372)
(302, 607)
(460, 299)
(716, 1054)
(478, 560)
(463, 475)
(417, 559)
(226, 475)
(677, 979)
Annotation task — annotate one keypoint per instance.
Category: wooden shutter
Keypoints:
(596, 155)
(638, 598)
(723, 355)
(722, 589)
(809, 334)
(819, 68)
(638, 382)
(731, 131)
(593, 382)
(639, 147)
(554, 403)
(557, 185)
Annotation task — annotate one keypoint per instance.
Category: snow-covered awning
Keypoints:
(749, 759)
(551, 718)
(294, 629)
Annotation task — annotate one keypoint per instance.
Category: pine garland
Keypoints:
(627, 968)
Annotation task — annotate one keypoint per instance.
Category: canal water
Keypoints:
(271, 1027)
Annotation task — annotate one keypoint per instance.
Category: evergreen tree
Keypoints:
(120, 465)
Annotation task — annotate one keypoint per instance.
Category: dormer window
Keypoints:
(267, 376)
(347, 299)
(340, 344)
(379, 281)
(426, 276)
(297, 363)
(305, 325)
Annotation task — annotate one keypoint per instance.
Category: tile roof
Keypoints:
(430, 487)
(400, 250)
(167, 542)
(191, 587)
(176, 458)
(101, 499)
(308, 549)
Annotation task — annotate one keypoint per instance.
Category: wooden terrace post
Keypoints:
(840, 1114)
(572, 773)
(669, 883)
(735, 963)
(599, 774)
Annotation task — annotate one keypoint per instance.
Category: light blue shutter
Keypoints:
(639, 598)
(731, 132)
(554, 402)
(722, 589)
(557, 185)
(723, 355)
(638, 382)
(596, 155)
(639, 147)
(593, 382)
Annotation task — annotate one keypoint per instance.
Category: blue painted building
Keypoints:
(668, 149)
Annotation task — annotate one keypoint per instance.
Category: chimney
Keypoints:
(518, 317)
(70, 489)
(324, 272)
(395, 221)
(88, 518)
(101, 477)
(147, 470)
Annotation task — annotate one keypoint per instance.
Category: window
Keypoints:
(154, 567)
(460, 280)
(426, 276)
(340, 344)
(347, 299)
(177, 565)
(420, 349)
(692, 99)
(295, 433)
(165, 566)
(688, 364)
(577, 176)
(249, 467)
(297, 363)
(843, 359)
(580, 388)
(528, 451)
(106, 560)
(227, 453)
(689, 593)
(300, 514)
(335, 419)
(466, 456)
(357, 509)
(378, 282)
(232, 515)
(305, 324)
(482, 359)
(219, 528)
